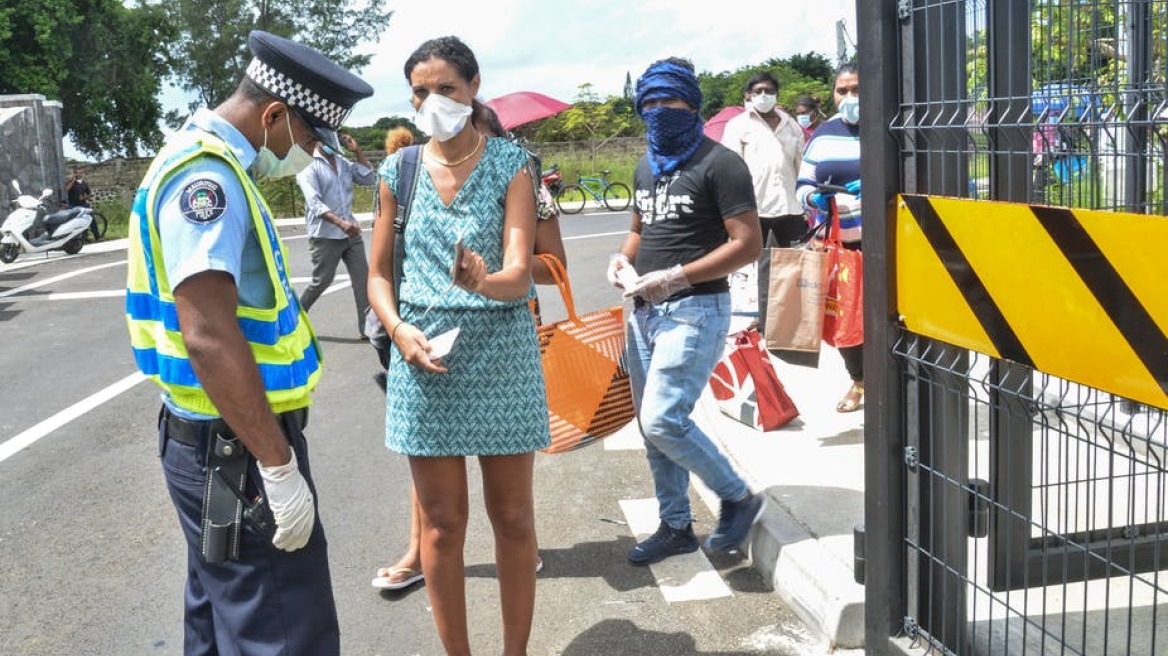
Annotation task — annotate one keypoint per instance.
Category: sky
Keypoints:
(554, 47)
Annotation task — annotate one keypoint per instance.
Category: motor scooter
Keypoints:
(30, 228)
(554, 180)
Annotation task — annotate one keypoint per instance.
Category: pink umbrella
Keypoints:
(716, 124)
(515, 109)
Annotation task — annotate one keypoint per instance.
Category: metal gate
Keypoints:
(1016, 300)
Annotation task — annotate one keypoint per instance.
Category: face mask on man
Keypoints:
(804, 120)
(763, 103)
(268, 165)
(442, 117)
(849, 109)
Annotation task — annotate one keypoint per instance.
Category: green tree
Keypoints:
(592, 120)
(372, 137)
(103, 60)
(210, 53)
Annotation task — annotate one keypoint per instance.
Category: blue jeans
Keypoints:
(672, 350)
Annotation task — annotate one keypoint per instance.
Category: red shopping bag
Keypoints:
(843, 312)
(747, 387)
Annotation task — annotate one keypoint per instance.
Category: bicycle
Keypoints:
(100, 222)
(615, 195)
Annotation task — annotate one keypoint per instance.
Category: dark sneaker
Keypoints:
(735, 522)
(666, 542)
(379, 378)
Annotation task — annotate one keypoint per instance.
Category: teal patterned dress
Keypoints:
(492, 401)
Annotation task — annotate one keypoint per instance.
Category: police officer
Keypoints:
(214, 322)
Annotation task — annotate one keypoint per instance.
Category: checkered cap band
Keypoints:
(297, 95)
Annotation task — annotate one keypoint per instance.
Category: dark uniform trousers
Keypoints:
(269, 602)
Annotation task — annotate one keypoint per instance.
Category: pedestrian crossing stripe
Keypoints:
(1079, 294)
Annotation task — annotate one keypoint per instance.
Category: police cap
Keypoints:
(319, 90)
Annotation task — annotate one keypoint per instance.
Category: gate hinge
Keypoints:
(903, 9)
(912, 458)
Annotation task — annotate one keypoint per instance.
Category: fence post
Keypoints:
(1136, 102)
(942, 413)
(884, 589)
(1011, 443)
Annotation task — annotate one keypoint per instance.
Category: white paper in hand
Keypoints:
(627, 276)
(441, 345)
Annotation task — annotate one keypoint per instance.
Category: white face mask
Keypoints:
(763, 103)
(268, 165)
(804, 120)
(442, 117)
(849, 109)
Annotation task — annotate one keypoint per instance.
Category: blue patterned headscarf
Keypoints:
(674, 134)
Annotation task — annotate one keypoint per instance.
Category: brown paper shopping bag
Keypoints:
(791, 308)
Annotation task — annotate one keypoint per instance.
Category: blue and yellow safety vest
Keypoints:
(280, 337)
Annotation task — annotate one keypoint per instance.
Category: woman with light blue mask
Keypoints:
(833, 156)
(807, 116)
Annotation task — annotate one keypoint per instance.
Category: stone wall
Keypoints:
(33, 152)
(118, 178)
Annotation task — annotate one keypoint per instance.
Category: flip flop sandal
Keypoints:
(852, 400)
(405, 578)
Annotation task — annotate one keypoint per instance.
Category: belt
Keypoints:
(196, 432)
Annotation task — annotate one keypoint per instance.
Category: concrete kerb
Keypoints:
(810, 571)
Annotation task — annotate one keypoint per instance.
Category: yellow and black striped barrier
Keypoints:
(1080, 294)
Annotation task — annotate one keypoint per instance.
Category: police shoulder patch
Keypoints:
(203, 201)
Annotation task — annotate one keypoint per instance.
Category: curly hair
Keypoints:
(398, 138)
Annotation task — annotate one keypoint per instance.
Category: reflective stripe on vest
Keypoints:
(280, 338)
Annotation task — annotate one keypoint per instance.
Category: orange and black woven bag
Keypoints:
(583, 358)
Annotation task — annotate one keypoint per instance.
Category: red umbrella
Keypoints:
(716, 124)
(515, 109)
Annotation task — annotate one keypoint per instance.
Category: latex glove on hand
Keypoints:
(819, 201)
(616, 262)
(853, 188)
(657, 286)
(291, 504)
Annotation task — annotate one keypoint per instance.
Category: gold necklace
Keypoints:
(434, 158)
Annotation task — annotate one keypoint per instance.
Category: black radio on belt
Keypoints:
(223, 500)
(256, 512)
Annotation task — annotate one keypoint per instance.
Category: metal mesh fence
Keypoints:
(1093, 124)
(1063, 549)
(1037, 509)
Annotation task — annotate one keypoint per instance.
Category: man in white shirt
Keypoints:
(771, 142)
(334, 236)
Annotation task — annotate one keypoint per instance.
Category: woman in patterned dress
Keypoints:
(486, 398)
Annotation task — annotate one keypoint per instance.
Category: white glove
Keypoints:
(657, 286)
(619, 269)
(291, 503)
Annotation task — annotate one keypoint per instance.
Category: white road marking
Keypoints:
(688, 577)
(599, 234)
(28, 437)
(73, 296)
(63, 276)
(343, 283)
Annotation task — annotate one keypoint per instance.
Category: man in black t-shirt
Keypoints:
(77, 191)
(694, 222)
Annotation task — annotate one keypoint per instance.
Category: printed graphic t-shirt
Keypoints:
(682, 213)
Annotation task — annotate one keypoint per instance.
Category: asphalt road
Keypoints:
(92, 561)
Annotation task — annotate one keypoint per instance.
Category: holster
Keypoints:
(222, 508)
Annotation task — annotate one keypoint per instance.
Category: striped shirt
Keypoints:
(833, 156)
